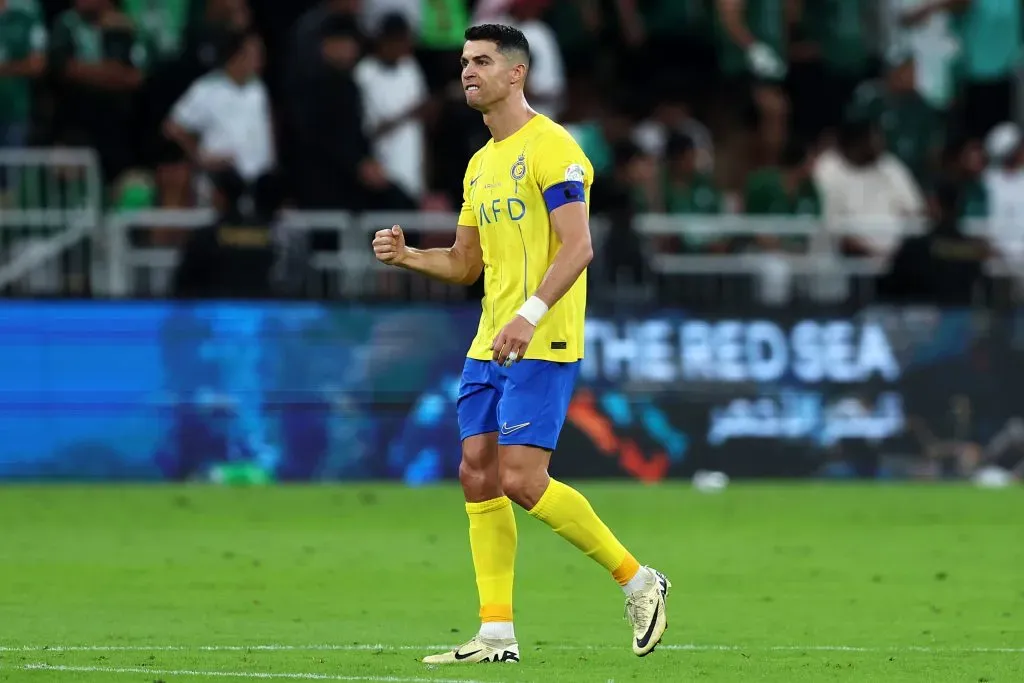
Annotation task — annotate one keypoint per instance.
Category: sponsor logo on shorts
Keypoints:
(505, 429)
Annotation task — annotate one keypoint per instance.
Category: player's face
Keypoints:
(487, 75)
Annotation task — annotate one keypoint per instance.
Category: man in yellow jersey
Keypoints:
(524, 224)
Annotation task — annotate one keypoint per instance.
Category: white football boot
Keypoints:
(645, 610)
(479, 650)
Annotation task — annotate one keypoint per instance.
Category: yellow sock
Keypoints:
(565, 510)
(492, 538)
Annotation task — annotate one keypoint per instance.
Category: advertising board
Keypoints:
(297, 391)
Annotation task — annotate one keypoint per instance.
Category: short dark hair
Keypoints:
(855, 131)
(679, 143)
(507, 38)
(337, 25)
(394, 26)
(625, 152)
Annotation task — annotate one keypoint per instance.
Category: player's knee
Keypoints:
(469, 474)
(478, 478)
(513, 483)
(524, 487)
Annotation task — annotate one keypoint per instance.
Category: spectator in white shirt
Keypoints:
(224, 120)
(671, 116)
(865, 187)
(545, 87)
(1004, 185)
(395, 101)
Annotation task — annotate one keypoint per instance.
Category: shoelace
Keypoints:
(638, 609)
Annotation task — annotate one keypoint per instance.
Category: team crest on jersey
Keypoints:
(519, 169)
(574, 173)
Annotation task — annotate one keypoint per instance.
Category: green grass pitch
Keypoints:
(772, 582)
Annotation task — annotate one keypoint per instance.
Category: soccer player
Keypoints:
(524, 224)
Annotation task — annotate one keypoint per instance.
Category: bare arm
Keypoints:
(420, 111)
(459, 264)
(109, 75)
(30, 67)
(573, 229)
(735, 22)
(186, 140)
(570, 223)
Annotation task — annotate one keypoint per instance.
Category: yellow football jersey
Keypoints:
(508, 192)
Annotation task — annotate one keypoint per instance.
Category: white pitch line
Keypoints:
(368, 647)
(236, 674)
(377, 647)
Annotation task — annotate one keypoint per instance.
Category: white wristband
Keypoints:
(533, 310)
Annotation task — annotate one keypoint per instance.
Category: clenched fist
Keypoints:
(389, 246)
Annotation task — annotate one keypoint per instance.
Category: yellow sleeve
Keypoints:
(560, 161)
(467, 216)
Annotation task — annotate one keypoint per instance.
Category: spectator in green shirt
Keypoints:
(679, 33)
(784, 190)
(913, 129)
(22, 59)
(834, 39)
(991, 40)
(441, 39)
(686, 190)
(990, 36)
(598, 126)
(163, 23)
(964, 164)
(787, 189)
(577, 24)
(752, 38)
(622, 256)
(100, 63)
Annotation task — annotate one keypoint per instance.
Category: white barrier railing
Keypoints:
(352, 264)
(50, 202)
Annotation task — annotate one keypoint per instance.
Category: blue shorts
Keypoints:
(526, 403)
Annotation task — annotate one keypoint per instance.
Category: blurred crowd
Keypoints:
(844, 109)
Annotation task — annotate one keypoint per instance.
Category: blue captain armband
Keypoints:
(564, 193)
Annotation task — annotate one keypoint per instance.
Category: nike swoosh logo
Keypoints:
(642, 642)
(459, 655)
(473, 181)
(505, 429)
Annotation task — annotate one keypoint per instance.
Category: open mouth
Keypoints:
(472, 88)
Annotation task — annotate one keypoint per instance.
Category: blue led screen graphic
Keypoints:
(171, 391)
